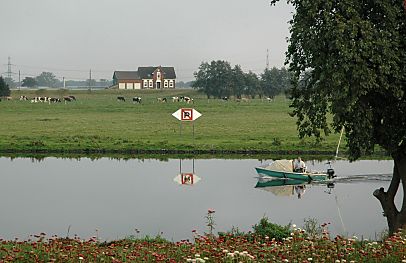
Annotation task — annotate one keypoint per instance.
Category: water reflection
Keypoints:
(187, 178)
(282, 187)
(118, 196)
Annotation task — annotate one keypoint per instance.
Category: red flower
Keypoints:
(211, 211)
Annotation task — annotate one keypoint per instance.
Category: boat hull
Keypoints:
(292, 175)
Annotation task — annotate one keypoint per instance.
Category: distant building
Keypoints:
(145, 78)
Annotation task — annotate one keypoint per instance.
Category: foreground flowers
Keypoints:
(298, 247)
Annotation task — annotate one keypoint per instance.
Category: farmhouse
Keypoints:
(145, 78)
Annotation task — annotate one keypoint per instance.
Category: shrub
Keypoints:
(267, 229)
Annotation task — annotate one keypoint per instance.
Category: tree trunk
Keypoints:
(396, 219)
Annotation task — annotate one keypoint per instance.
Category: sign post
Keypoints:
(187, 114)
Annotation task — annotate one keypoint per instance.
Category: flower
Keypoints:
(211, 211)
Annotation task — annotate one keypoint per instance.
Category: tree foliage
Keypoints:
(47, 79)
(218, 79)
(4, 88)
(29, 82)
(348, 58)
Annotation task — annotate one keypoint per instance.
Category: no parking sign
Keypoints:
(186, 114)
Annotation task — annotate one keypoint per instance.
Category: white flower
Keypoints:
(309, 259)
(294, 226)
(80, 258)
(197, 255)
(225, 251)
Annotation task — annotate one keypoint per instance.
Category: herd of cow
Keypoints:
(48, 99)
(119, 98)
(174, 99)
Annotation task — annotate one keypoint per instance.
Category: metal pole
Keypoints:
(193, 133)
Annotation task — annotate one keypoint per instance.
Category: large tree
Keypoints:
(47, 79)
(4, 88)
(354, 55)
(29, 82)
(214, 79)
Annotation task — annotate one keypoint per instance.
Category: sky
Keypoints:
(72, 37)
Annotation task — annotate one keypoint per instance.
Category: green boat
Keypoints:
(282, 169)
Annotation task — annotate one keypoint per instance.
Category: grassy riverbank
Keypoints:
(98, 123)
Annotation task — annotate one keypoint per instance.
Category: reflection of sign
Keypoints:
(186, 179)
(186, 114)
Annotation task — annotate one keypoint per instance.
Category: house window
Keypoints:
(158, 75)
(150, 83)
(165, 84)
(171, 83)
(145, 84)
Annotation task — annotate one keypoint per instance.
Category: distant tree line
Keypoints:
(48, 79)
(219, 79)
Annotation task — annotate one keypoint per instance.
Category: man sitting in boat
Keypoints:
(299, 165)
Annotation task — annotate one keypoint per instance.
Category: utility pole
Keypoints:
(19, 80)
(63, 82)
(267, 58)
(90, 80)
(9, 68)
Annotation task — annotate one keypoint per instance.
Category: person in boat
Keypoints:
(299, 165)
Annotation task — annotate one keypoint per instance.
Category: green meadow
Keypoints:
(98, 123)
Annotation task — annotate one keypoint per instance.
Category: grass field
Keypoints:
(97, 122)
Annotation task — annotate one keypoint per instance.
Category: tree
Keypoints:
(271, 82)
(47, 79)
(354, 53)
(214, 79)
(29, 82)
(237, 81)
(252, 84)
(4, 88)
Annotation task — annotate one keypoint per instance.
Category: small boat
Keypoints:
(283, 169)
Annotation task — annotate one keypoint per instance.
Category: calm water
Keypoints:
(115, 197)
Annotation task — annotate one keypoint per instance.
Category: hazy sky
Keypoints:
(70, 37)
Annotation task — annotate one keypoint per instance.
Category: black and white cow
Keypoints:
(23, 97)
(188, 100)
(120, 98)
(224, 98)
(67, 99)
(161, 99)
(137, 100)
(54, 100)
(175, 99)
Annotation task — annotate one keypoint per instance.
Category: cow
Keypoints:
(54, 100)
(23, 97)
(72, 97)
(137, 100)
(161, 99)
(175, 99)
(67, 99)
(181, 98)
(120, 98)
(224, 98)
(188, 100)
(8, 98)
(269, 99)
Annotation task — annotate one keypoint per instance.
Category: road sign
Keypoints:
(186, 114)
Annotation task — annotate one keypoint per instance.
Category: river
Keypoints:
(114, 199)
